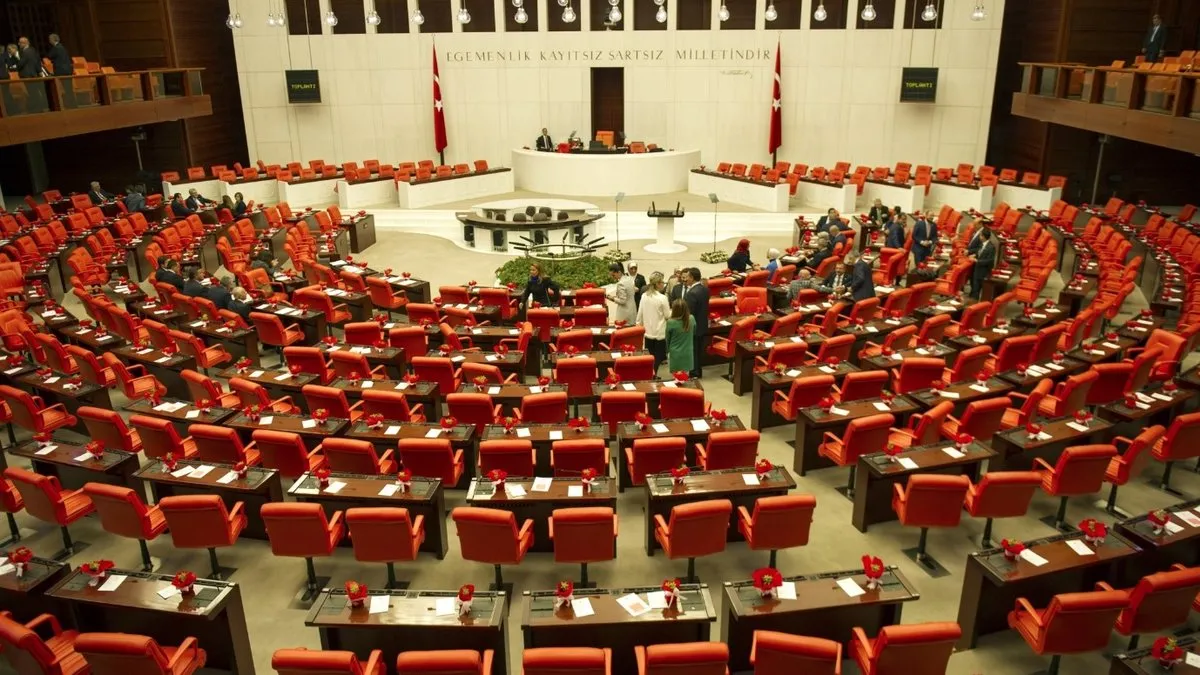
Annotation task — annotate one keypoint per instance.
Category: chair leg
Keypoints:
(1133, 642)
(1111, 506)
(986, 542)
(311, 584)
(583, 579)
(691, 573)
(212, 560)
(1060, 519)
(391, 571)
(13, 527)
(499, 577)
(921, 544)
(771, 561)
(850, 480)
(147, 564)
(1165, 485)
(1053, 669)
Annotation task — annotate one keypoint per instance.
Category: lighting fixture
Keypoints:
(237, 20)
(661, 15)
(820, 14)
(568, 15)
(464, 15)
(930, 12)
(417, 17)
(979, 13)
(229, 22)
(331, 19)
(868, 12)
(521, 16)
(562, 3)
(723, 13)
(614, 14)
(771, 14)
(373, 18)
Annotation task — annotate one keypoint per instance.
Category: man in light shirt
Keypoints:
(620, 295)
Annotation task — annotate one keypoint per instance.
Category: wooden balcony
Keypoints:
(1150, 106)
(38, 109)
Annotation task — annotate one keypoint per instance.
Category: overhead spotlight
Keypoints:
(229, 22)
(417, 17)
(331, 19)
(723, 13)
(237, 20)
(868, 12)
(820, 14)
(930, 12)
(614, 15)
(521, 16)
(373, 18)
(771, 14)
(979, 13)
(464, 15)
(661, 15)
(568, 15)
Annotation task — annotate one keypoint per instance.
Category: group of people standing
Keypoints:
(21, 58)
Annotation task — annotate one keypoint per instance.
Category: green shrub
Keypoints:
(566, 273)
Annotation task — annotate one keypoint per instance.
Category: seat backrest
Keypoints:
(547, 408)
(916, 649)
(111, 653)
(982, 418)
(197, 521)
(487, 535)
(698, 528)
(158, 435)
(784, 654)
(584, 534)
(1075, 622)
(1005, 494)
(680, 402)
(120, 509)
(350, 455)
(1080, 469)
(297, 529)
(730, 449)
(694, 658)
(1182, 439)
(566, 661)
(380, 534)
(431, 457)
(315, 662)
(935, 500)
(866, 435)
(217, 444)
(27, 653)
(783, 521)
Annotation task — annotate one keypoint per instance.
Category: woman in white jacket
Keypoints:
(652, 315)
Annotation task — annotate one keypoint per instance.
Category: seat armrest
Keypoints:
(639, 653)
(744, 515)
(418, 409)
(458, 457)
(1023, 604)
(317, 451)
(335, 520)
(236, 511)
(779, 396)
(830, 436)
(1104, 586)
(189, 644)
(860, 636)
(1121, 440)
(387, 455)
(661, 524)
(898, 492)
(357, 405)
(375, 663)
(1046, 466)
(496, 412)
(45, 619)
(418, 524)
(526, 530)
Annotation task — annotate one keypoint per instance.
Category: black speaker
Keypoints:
(499, 240)
(577, 232)
(469, 235)
(539, 236)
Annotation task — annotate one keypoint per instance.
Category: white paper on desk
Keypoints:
(827, 370)
(402, 386)
(699, 425)
(7, 568)
(266, 421)
(891, 322)
(944, 308)
(1000, 331)
(786, 591)
(284, 376)
(333, 348)
(46, 450)
(182, 471)
(1110, 345)
(851, 587)
(228, 478)
(1096, 352)
(192, 414)
(388, 490)
(514, 490)
(633, 604)
(536, 389)
(308, 424)
(1161, 397)
(104, 338)
(1192, 659)
(1035, 315)
(793, 373)
(897, 356)
(392, 430)
(1188, 517)
(1078, 427)
(1079, 547)
(1051, 366)
(582, 607)
(670, 385)
(202, 471)
(839, 411)
(1044, 436)
(306, 491)
(492, 391)
(907, 463)
(574, 490)
(953, 452)
(335, 487)
(660, 428)
(949, 394)
(980, 387)
(10, 371)
(52, 380)
(459, 358)
(444, 607)
(1173, 527)
(84, 457)
(750, 478)
(542, 484)
(629, 386)
(1143, 406)
(168, 592)
(523, 432)
(656, 599)
(379, 604)
(147, 350)
(1029, 556)
(433, 433)
(112, 583)
(922, 351)
(491, 357)
(881, 406)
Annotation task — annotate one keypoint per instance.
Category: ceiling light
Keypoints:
(237, 20)
(568, 15)
(868, 12)
(723, 13)
(464, 15)
(521, 16)
(614, 15)
(771, 14)
(661, 15)
(979, 14)
(820, 14)
(331, 19)
(930, 12)
(229, 22)
(373, 18)
(417, 17)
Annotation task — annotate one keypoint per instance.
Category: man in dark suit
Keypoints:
(241, 304)
(1152, 45)
(696, 297)
(168, 272)
(59, 58)
(677, 284)
(221, 294)
(832, 217)
(985, 260)
(97, 194)
(862, 285)
(639, 282)
(894, 228)
(878, 212)
(197, 201)
(544, 142)
(835, 235)
(924, 236)
(179, 207)
(976, 240)
(192, 287)
(28, 63)
(837, 281)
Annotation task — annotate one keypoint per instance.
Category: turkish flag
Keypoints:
(439, 115)
(776, 111)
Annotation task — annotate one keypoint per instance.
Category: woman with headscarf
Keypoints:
(740, 260)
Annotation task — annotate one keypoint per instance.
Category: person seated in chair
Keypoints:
(168, 272)
(803, 280)
(544, 143)
(824, 249)
(265, 261)
(97, 194)
(241, 303)
(221, 294)
(179, 208)
(878, 212)
(831, 217)
(192, 287)
(134, 201)
(197, 201)
(239, 205)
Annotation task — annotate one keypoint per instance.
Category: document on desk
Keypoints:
(1079, 547)
(524, 433)
(750, 478)
(192, 414)
(202, 471)
(433, 433)
(1173, 527)
(793, 373)
(1188, 517)
(907, 463)
(1032, 558)
(228, 478)
(574, 490)
(881, 406)
(493, 391)
(168, 592)
(542, 484)
(1192, 659)
(660, 428)
(87, 456)
(555, 435)
(444, 607)
(582, 607)
(335, 487)
(953, 452)
(514, 491)
(839, 411)
(699, 425)
(266, 421)
(980, 387)
(657, 599)
(46, 450)
(786, 590)
(392, 430)
(851, 587)
(1081, 428)
(308, 424)
(112, 583)
(633, 604)
(948, 394)
(388, 490)
(379, 604)
(182, 471)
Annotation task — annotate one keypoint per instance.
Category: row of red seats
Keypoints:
(423, 170)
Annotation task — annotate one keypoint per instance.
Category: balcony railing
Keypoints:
(39, 95)
(1172, 94)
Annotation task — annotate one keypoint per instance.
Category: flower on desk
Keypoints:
(356, 593)
(543, 380)
(469, 322)
(445, 349)
(1011, 549)
(1083, 417)
(587, 477)
(44, 373)
(354, 377)
(893, 451)
(963, 440)
(95, 449)
(620, 323)
(404, 479)
(579, 424)
(511, 286)
(242, 365)
(406, 275)
(680, 376)
(375, 420)
(322, 476)
(570, 350)
(642, 420)
(252, 412)
(718, 415)
(1158, 520)
(412, 379)
(873, 569)
(1021, 368)
(679, 473)
(184, 581)
(564, 593)
(612, 379)
(380, 318)
(501, 349)
(170, 461)
(780, 368)
(321, 415)
(726, 272)
(449, 422)
(497, 477)
(566, 324)
(1170, 386)
(240, 468)
(672, 591)
(20, 557)
(43, 438)
(762, 468)
(1033, 429)
(1167, 651)
(1094, 531)
(96, 569)
(170, 349)
(466, 593)
(766, 580)
(15, 360)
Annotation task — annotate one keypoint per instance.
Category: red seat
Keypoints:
(864, 436)
(913, 649)
(1001, 494)
(982, 419)
(253, 393)
(28, 653)
(125, 654)
(774, 653)
(160, 439)
(548, 408)
(1110, 383)
(777, 522)
(439, 370)
(566, 661)
(333, 400)
(922, 428)
(633, 337)
(1019, 417)
(445, 662)
(789, 354)
(347, 364)
(695, 529)
(804, 392)
(584, 535)
(1073, 623)
(1069, 396)
(861, 385)
(122, 513)
(272, 332)
(316, 662)
(634, 368)
(432, 458)
(206, 357)
(1132, 460)
(578, 374)
(917, 373)
(929, 500)
(616, 407)
(476, 409)
(1079, 471)
(728, 450)
(222, 444)
(46, 500)
(10, 503)
(648, 456)
(309, 360)
(491, 536)
(393, 406)
(385, 534)
(109, 428)
(300, 530)
(285, 452)
(516, 457)
(492, 374)
(969, 363)
(570, 457)
(1158, 603)
(201, 521)
(33, 414)
(695, 658)
(203, 387)
(351, 455)
(1181, 442)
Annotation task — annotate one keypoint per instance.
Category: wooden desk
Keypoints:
(992, 584)
(417, 290)
(604, 360)
(1016, 450)
(991, 337)
(1053, 371)
(935, 351)
(539, 506)
(213, 614)
(86, 337)
(613, 627)
(487, 337)
(1101, 350)
(167, 368)
(651, 388)
(1072, 295)
(768, 382)
(1141, 662)
(391, 358)
(740, 486)
(692, 430)
(310, 321)
(543, 437)
(877, 473)
(240, 342)
(967, 392)
(1161, 407)
(55, 389)
(1160, 551)
(1139, 328)
(813, 422)
(188, 414)
(278, 383)
(312, 434)
(424, 498)
(509, 396)
(150, 309)
(411, 622)
(260, 486)
(821, 609)
(362, 232)
(26, 596)
(512, 363)
(1040, 317)
(59, 459)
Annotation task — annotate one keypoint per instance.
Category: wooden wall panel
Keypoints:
(132, 34)
(1099, 31)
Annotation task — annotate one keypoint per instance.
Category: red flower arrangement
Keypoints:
(886, 351)
(14, 360)
(589, 284)
(1158, 520)
(763, 467)
(43, 438)
(404, 479)
(95, 449)
(354, 378)
(381, 318)
(832, 361)
(1011, 549)
(566, 324)
(766, 580)
(714, 316)
(184, 581)
(512, 286)
(726, 272)
(587, 477)
(679, 473)
(579, 424)
(873, 569)
(445, 349)
(242, 365)
(437, 301)
(1083, 417)
(322, 476)
(356, 593)
(294, 369)
(543, 380)
(1033, 429)
(1170, 386)
(564, 593)
(1021, 368)
(826, 403)
(1167, 651)
(20, 557)
(412, 379)
(642, 420)
(509, 423)
(612, 379)
(375, 420)
(501, 349)
(982, 376)
(381, 344)
(963, 440)
(321, 415)
(680, 376)
(170, 461)
(780, 368)
(406, 275)
(570, 350)
(449, 422)
(1094, 531)
(628, 349)
(498, 476)
(466, 593)
(469, 322)
(718, 415)
(96, 569)
(240, 468)
(480, 382)
(893, 451)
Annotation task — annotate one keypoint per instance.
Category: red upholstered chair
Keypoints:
(1001, 494)
(804, 392)
(566, 661)
(584, 535)
(548, 408)
(969, 363)
(28, 653)
(10, 503)
(929, 500)
(1158, 603)
(696, 658)
(333, 400)
(491, 536)
(204, 387)
(201, 521)
(470, 408)
(1019, 417)
(790, 354)
(724, 348)
(1047, 341)
(445, 662)
(491, 373)
(695, 529)
(253, 393)
(582, 339)
(1069, 396)
(309, 360)
(1073, 623)
(775, 653)
(634, 368)
(648, 456)
(569, 457)
(777, 522)
(351, 455)
(1079, 471)
(122, 513)
(1013, 351)
(1181, 442)
(222, 444)
(864, 436)
(412, 339)
(901, 338)
(272, 332)
(616, 407)
(159, 438)
(365, 333)
(439, 370)
(206, 357)
(922, 428)
(633, 336)
(349, 364)
(125, 654)
(46, 500)
(33, 414)
(300, 530)
(385, 534)
(838, 346)
(1132, 460)
(578, 374)
(913, 649)
(432, 458)
(316, 662)
(981, 419)
(728, 450)
(285, 452)
(917, 373)
(90, 368)
(972, 317)
(515, 456)
(861, 385)
(1174, 348)
(1110, 383)
(109, 428)
(681, 403)
(393, 406)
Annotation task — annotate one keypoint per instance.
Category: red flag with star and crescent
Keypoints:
(776, 111)
(439, 115)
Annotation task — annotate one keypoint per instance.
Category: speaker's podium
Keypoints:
(666, 230)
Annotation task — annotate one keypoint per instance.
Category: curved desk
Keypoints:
(643, 173)
(497, 218)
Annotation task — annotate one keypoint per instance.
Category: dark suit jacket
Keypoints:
(239, 209)
(839, 239)
(168, 277)
(697, 302)
(135, 201)
(544, 291)
(194, 203)
(819, 257)
(195, 289)
(831, 281)
(985, 259)
(922, 230)
(544, 143)
(823, 224)
(877, 213)
(61, 59)
(973, 244)
(28, 63)
(895, 235)
(1153, 44)
(861, 284)
(220, 296)
(181, 210)
(242, 309)
(676, 293)
(100, 197)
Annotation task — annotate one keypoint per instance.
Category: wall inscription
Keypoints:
(500, 56)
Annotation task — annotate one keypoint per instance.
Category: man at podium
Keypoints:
(544, 143)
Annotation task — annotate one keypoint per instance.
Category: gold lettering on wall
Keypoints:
(499, 56)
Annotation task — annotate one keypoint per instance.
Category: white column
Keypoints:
(584, 17)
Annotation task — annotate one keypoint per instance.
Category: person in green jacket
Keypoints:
(679, 338)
